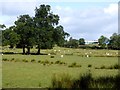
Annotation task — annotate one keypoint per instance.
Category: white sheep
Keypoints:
(49, 54)
(61, 56)
(87, 55)
(107, 54)
(59, 50)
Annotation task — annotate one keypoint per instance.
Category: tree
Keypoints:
(72, 43)
(2, 26)
(81, 41)
(59, 35)
(10, 37)
(25, 29)
(114, 41)
(47, 31)
(103, 41)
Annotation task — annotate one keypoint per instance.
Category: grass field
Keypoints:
(17, 73)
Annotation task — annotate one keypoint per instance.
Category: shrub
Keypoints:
(46, 61)
(42, 62)
(78, 65)
(96, 68)
(83, 82)
(74, 65)
(52, 56)
(102, 67)
(51, 62)
(5, 59)
(70, 66)
(89, 65)
(116, 66)
(57, 62)
(24, 60)
(39, 61)
(33, 60)
(12, 59)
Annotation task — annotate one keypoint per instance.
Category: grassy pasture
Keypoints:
(33, 74)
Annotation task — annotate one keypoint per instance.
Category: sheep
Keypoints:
(87, 55)
(61, 56)
(107, 54)
(59, 50)
(49, 54)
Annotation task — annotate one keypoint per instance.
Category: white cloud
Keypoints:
(112, 9)
(89, 23)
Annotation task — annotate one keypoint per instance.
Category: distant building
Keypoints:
(91, 42)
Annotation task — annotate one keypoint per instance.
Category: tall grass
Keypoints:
(86, 81)
(61, 81)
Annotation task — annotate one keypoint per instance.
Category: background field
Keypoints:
(17, 73)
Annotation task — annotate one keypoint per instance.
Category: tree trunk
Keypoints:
(23, 49)
(38, 51)
(28, 50)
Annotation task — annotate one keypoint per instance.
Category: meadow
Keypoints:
(36, 71)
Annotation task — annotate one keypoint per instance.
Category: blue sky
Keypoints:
(82, 19)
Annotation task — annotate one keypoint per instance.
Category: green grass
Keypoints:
(34, 74)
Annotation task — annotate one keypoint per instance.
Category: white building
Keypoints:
(91, 42)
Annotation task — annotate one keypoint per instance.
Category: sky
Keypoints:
(88, 19)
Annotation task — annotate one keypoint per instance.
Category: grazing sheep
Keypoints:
(49, 54)
(61, 56)
(87, 55)
(107, 54)
(59, 50)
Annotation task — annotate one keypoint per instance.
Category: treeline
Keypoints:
(42, 30)
(103, 43)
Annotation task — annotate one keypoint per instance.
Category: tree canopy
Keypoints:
(42, 30)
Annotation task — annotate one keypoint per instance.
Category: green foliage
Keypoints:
(74, 65)
(61, 81)
(81, 41)
(85, 82)
(46, 34)
(42, 30)
(72, 43)
(115, 66)
(39, 61)
(89, 65)
(10, 37)
(25, 29)
(5, 59)
(33, 60)
(103, 41)
(25, 60)
(114, 42)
